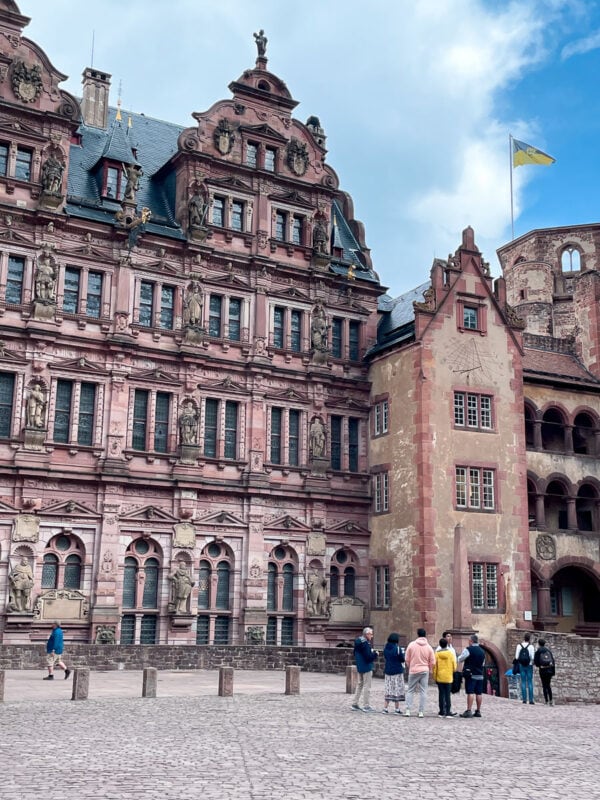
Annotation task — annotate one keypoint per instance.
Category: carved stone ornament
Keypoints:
(297, 157)
(64, 604)
(106, 634)
(224, 137)
(185, 535)
(315, 544)
(26, 81)
(255, 634)
(255, 570)
(545, 547)
(26, 528)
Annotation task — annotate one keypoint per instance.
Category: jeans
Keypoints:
(444, 698)
(419, 679)
(526, 682)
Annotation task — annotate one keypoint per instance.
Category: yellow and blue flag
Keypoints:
(526, 154)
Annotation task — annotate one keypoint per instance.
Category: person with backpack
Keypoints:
(524, 656)
(544, 661)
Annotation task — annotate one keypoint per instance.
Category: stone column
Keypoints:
(81, 683)
(571, 514)
(292, 680)
(351, 679)
(149, 682)
(540, 512)
(225, 681)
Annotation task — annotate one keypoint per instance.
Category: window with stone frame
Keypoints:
(284, 435)
(473, 410)
(282, 572)
(215, 594)
(141, 591)
(381, 413)
(381, 492)
(7, 403)
(151, 421)
(287, 329)
(13, 292)
(23, 163)
(220, 416)
(4, 153)
(62, 566)
(342, 574)
(484, 586)
(156, 307)
(75, 409)
(382, 586)
(475, 488)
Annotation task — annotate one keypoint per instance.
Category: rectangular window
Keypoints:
(148, 629)
(218, 211)
(294, 438)
(354, 341)
(484, 586)
(146, 304)
(72, 286)
(336, 337)
(211, 409)
(473, 409)
(280, 226)
(237, 215)
(287, 631)
(235, 319)
(295, 330)
(382, 587)
(353, 444)
(161, 422)
(336, 442)
(167, 303)
(113, 177)
(381, 417)
(276, 427)
(221, 630)
(7, 394)
(251, 154)
(140, 419)
(231, 425)
(470, 318)
(23, 164)
(272, 630)
(278, 327)
(85, 421)
(214, 318)
(14, 280)
(297, 230)
(3, 159)
(62, 412)
(270, 156)
(474, 488)
(202, 629)
(93, 301)
(382, 492)
(127, 627)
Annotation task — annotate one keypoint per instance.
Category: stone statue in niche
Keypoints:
(261, 43)
(188, 423)
(20, 584)
(52, 174)
(192, 305)
(197, 208)
(317, 438)
(320, 236)
(318, 328)
(133, 173)
(35, 408)
(182, 583)
(316, 595)
(45, 279)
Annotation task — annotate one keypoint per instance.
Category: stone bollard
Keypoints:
(149, 682)
(351, 680)
(81, 683)
(1, 685)
(225, 681)
(292, 680)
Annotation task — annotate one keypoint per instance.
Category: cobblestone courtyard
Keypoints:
(188, 743)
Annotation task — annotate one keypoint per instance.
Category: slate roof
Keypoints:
(397, 316)
(152, 143)
(549, 365)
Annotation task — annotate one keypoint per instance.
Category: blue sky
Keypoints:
(417, 100)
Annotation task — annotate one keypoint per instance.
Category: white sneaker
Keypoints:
(421, 714)
(407, 713)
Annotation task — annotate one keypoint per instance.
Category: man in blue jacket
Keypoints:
(365, 656)
(54, 652)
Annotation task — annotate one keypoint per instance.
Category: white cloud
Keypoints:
(407, 93)
(581, 46)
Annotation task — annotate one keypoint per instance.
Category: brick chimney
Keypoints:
(94, 106)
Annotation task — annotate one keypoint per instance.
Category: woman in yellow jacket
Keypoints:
(443, 672)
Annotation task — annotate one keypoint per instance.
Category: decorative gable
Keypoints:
(265, 131)
(226, 384)
(288, 395)
(221, 518)
(157, 376)
(82, 365)
(288, 524)
(347, 526)
(149, 514)
(69, 508)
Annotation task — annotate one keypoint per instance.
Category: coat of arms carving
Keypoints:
(26, 81)
(297, 157)
(224, 137)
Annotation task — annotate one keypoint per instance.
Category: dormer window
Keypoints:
(112, 183)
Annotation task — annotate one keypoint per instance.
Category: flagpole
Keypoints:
(512, 214)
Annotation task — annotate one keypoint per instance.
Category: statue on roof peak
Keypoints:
(261, 43)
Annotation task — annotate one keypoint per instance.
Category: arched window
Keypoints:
(129, 582)
(281, 580)
(531, 504)
(150, 595)
(334, 582)
(288, 588)
(349, 582)
(553, 430)
(556, 506)
(50, 571)
(586, 505)
(143, 557)
(215, 586)
(529, 428)
(63, 563)
(570, 260)
(272, 587)
(584, 435)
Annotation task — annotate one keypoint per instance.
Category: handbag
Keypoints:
(457, 677)
(516, 667)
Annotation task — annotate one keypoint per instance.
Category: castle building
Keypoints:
(184, 402)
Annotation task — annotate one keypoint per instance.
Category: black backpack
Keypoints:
(524, 658)
(546, 658)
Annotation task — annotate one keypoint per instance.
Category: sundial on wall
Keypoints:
(470, 358)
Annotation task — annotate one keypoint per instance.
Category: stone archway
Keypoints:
(575, 596)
